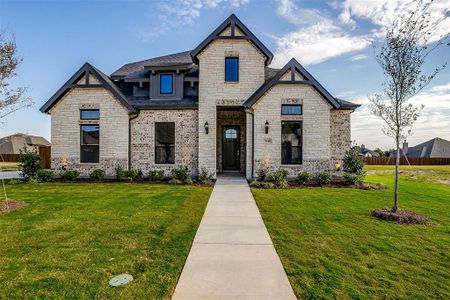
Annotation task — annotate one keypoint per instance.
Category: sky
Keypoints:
(332, 39)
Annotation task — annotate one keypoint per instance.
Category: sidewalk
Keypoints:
(232, 256)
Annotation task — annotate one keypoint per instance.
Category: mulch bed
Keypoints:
(10, 205)
(400, 216)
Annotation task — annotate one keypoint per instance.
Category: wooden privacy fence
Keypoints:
(44, 153)
(403, 161)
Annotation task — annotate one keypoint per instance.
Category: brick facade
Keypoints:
(65, 131)
(214, 91)
(143, 139)
(316, 128)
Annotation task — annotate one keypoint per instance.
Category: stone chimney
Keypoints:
(405, 147)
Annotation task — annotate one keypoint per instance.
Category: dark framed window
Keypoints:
(89, 114)
(166, 83)
(89, 141)
(231, 69)
(291, 143)
(165, 143)
(291, 109)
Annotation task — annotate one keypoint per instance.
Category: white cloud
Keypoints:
(316, 39)
(293, 14)
(317, 43)
(433, 122)
(383, 12)
(358, 57)
(183, 12)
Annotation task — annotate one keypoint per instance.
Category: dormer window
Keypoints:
(166, 84)
(232, 69)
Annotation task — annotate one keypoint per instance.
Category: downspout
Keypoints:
(129, 138)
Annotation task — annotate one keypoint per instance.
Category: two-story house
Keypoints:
(219, 106)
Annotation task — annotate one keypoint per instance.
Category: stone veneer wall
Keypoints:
(231, 118)
(316, 128)
(65, 131)
(214, 91)
(340, 132)
(143, 139)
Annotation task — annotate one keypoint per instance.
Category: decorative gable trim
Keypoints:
(87, 77)
(293, 66)
(233, 22)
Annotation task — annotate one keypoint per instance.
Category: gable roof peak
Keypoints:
(86, 70)
(232, 21)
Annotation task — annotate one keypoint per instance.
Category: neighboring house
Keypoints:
(12, 144)
(219, 107)
(433, 148)
(369, 153)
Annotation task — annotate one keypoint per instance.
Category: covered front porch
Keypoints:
(231, 141)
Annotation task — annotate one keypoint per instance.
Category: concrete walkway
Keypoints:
(232, 256)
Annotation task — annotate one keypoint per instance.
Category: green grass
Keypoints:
(72, 238)
(332, 248)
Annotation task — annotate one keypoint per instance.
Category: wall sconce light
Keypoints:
(337, 165)
(206, 127)
(267, 127)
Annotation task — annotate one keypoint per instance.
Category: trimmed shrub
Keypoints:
(45, 175)
(353, 178)
(278, 177)
(97, 174)
(303, 177)
(323, 177)
(262, 184)
(180, 173)
(174, 181)
(262, 173)
(204, 176)
(189, 180)
(156, 175)
(134, 174)
(120, 173)
(70, 175)
(353, 161)
(29, 163)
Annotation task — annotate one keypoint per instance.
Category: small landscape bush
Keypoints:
(262, 173)
(97, 174)
(70, 175)
(29, 163)
(134, 174)
(204, 176)
(156, 175)
(174, 181)
(303, 177)
(189, 180)
(323, 177)
(262, 184)
(278, 177)
(180, 173)
(353, 178)
(120, 173)
(45, 175)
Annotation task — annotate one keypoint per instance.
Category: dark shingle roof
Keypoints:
(436, 147)
(346, 104)
(175, 59)
(270, 73)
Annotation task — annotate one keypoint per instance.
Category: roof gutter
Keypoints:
(129, 137)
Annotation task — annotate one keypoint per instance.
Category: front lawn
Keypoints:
(332, 248)
(72, 238)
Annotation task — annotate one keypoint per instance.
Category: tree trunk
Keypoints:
(397, 163)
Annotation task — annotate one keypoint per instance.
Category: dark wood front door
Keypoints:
(230, 149)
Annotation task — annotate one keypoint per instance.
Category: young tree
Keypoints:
(401, 56)
(379, 151)
(11, 99)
